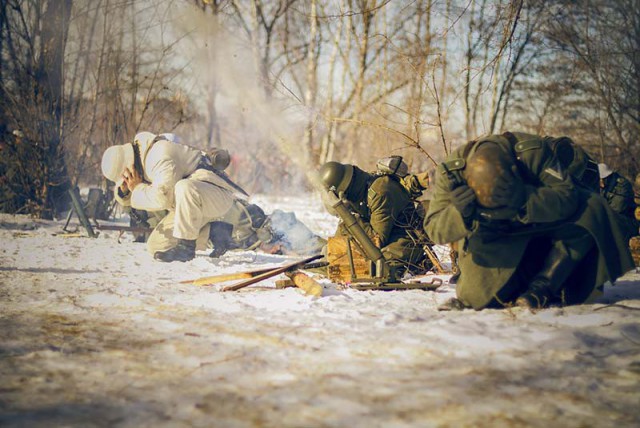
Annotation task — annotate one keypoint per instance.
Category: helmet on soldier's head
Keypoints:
(336, 175)
(489, 164)
(114, 161)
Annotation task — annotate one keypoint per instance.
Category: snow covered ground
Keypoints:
(93, 332)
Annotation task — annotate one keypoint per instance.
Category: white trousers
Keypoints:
(197, 204)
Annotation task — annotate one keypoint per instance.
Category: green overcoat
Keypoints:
(385, 209)
(491, 251)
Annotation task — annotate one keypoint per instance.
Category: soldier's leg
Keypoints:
(231, 220)
(453, 256)
(161, 238)
(404, 254)
(239, 217)
(197, 204)
(528, 267)
(570, 244)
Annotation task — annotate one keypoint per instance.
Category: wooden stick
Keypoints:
(303, 281)
(270, 274)
(207, 280)
(434, 260)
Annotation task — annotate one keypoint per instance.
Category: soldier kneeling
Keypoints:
(526, 234)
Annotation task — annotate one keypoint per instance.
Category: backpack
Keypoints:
(414, 184)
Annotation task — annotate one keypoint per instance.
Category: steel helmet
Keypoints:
(336, 175)
(114, 161)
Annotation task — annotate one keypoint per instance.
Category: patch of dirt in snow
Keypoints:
(94, 332)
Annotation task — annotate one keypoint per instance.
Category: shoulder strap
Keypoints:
(454, 164)
(136, 147)
(137, 161)
(526, 145)
(452, 169)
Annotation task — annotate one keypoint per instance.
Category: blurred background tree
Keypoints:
(286, 85)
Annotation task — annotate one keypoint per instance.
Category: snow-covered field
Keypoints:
(93, 332)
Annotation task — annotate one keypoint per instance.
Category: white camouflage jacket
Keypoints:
(164, 163)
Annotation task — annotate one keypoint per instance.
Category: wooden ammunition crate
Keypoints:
(634, 246)
(338, 269)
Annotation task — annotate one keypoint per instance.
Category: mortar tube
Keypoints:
(350, 221)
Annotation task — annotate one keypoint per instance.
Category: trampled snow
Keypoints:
(94, 332)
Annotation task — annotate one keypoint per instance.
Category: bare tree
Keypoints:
(125, 78)
(78, 76)
(33, 44)
(350, 80)
(603, 40)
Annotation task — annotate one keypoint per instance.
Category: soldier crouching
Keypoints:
(200, 204)
(526, 234)
(385, 209)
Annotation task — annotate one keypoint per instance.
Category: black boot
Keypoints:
(548, 283)
(455, 277)
(220, 237)
(538, 294)
(184, 251)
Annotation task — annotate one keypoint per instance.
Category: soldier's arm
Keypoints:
(381, 205)
(416, 184)
(443, 222)
(159, 195)
(122, 195)
(555, 199)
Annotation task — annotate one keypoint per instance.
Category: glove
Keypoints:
(464, 199)
(423, 180)
(509, 192)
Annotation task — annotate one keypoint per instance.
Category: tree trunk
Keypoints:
(50, 81)
(328, 141)
(310, 93)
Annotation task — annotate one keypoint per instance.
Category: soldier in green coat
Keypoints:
(576, 162)
(385, 208)
(619, 194)
(599, 178)
(525, 232)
